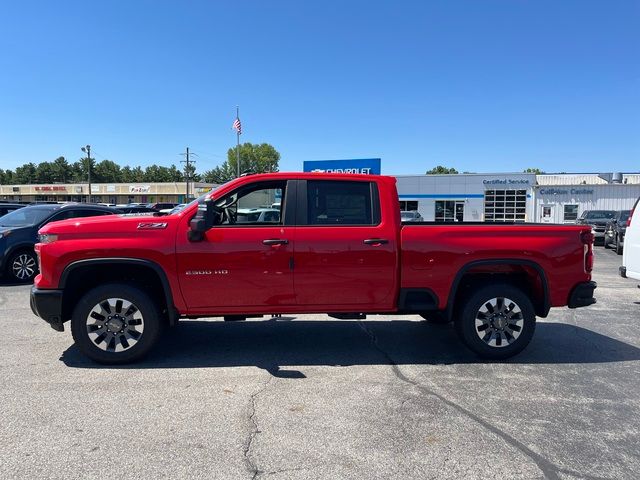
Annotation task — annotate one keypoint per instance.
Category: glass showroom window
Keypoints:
(449, 211)
(505, 205)
(408, 205)
(570, 213)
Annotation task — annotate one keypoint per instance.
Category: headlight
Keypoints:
(47, 238)
(6, 233)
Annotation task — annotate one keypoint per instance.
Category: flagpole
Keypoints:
(238, 140)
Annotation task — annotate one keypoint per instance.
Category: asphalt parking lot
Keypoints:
(313, 397)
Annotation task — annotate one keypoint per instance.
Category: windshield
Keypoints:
(25, 216)
(624, 216)
(599, 214)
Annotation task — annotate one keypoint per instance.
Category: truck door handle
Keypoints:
(275, 241)
(376, 241)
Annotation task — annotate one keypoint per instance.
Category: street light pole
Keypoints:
(87, 149)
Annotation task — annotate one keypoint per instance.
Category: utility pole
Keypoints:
(87, 150)
(187, 161)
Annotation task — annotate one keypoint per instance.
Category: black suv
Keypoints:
(598, 220)
(9, 207)
(615, 230)
(19, 234)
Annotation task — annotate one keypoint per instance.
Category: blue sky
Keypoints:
(483, 86)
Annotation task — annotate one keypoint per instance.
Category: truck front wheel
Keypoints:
(115, 324)
(496, 321)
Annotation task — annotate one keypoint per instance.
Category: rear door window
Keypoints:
(341, 203)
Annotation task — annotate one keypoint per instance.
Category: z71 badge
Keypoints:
(151, 225)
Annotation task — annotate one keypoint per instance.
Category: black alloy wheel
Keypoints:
(116, 324)
(496, 321)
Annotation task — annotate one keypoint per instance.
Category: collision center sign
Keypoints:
(369, 166)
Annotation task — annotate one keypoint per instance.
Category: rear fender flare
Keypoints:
(542, 309)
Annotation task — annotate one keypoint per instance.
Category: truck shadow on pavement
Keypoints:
(275, 344)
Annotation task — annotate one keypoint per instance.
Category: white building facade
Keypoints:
(515, 197)
(469, 197)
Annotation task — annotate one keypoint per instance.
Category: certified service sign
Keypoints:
(358, 165)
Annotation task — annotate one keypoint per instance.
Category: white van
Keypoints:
(631, 253)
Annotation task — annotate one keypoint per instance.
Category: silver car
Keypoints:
(410, 216)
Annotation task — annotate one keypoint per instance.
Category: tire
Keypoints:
(436, 317)
(606, 243)
(136, 321)
(618, 247)
(495, 311)
(22, 266)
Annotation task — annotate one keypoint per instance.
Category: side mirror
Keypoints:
(208, 215)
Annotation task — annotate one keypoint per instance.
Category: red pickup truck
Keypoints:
(304, 243)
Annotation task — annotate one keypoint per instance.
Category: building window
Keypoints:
(408, 205)
(449, 211)
(570, 213)
(505, 205)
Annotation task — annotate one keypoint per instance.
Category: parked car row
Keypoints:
(608, 226)
(19, 225)
(19, 234)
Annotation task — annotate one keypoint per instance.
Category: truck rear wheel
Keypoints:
(116, 324)
(496, 321)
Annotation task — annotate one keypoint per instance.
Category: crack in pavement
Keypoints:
(251, 465)
(548, 469)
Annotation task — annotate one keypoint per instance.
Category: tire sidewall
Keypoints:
(148, 309)
(466, 327)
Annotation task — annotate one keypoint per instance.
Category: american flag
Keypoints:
(237, 126)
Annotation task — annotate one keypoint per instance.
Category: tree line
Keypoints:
(441, 170)
(258, 158)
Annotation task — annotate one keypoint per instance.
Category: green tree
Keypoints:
(6, 177)
(440, 170)
(258, 158)
(537, 171)
(44, 173)
(80, 170)
(175, 174)
(106, 172)
(25, 174)
(126, 174)
(190, 173)
(137, 174)
(158, 173)
(61, 170)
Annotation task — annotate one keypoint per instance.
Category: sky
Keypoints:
(478, 85)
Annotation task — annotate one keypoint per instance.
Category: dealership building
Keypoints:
(516, 197)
